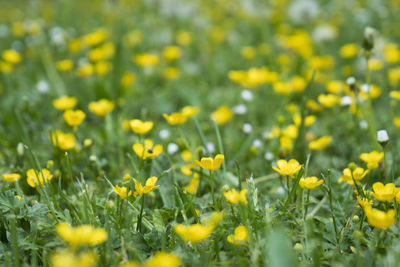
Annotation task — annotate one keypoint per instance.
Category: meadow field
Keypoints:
(165, 133)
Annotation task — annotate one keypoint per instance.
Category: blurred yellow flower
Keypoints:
(81, 235)
(234, 197)
(96, 37)
(380, 219)
(148, 187)
(101, 107)
(349, 50)
(85, 70)
(391, 53)
(183, 38)
(383, 192)
(348, 175)
(171, 73)
(122, 191)
(310, 182)
(211, 163)
(38, 178)
(163, 259)
(69, 258)
(74, 117)
(375, 64)
(128, 79)
(320, 143)
(172, 52)
(240, 236)
(64, 141)
(190, 111)
(222, 115)
(65, 65)
(372, 159)
(194, 232)
(11, 56)
(191, 188)
(65, 102)
(335, 87)
(175, 118)
(146, 60)
(10, 177)
(148, 150)
(328, 100)
(290, 168)
(141, 127)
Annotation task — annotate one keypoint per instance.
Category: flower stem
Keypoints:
(139, 224)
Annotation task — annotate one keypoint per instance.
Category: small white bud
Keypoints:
(20, 149)
(247, 128)
(164, 134)
(363, 124)
(210, 147)
(269, 156)
(346, 100)
(382, 137)
(240, 109)
(93, 158)
(280, 190)
(257, 143)
(351, 81)
(172, 148)
(365, 88)
(247, 95)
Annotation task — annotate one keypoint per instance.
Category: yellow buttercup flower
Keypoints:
(328, 100)
(372, 159)
(64, 141)
(349, 50)
(38, 178)
(222, 115)
(190, 111)
(194, 232)
(289, 168)
(141, 127)
(240, 236)
(122, 191)
(148, 187)
(81, 235)
(320, 143)
(101, 107)
(74, 117)
(96, 37)
(365, 202)
(235, 197)
(183, 38)
(383, 192)
(211, 163)
(146, 60)
(380, 219)
(171, 52)
(128, 79)
(10, 177)
(163, 259)
(65, 65)
(85, 70)
(65, 102)
(11, 56)
(348, 175)
(395, 94)
(171, 73)
(310, 182)
(69, 258)
(191, 188)
(175, 118)
(148, 150)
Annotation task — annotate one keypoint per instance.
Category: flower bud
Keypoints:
(369, 36)
(382, 137)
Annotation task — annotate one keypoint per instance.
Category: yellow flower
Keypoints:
(39, 178)
(19, 197)
(380, 219)
(391, 53)
(328, 100)
(148, 187)
(175, 118)
(171, 52)
(171, 73)
(349, 50)
(194, 232)
(235, 197)
(146, 60)
(334, 86)
(240, 236)
(383, 192)
(81, 235)
(64, 141)
(348, 175)
(310, 182)
(95, 38)
(320, 143)
(101, 107)
(130, 264)
(85, 70)
(163, 259)
(222, 115)
(65, 102)
(187, 155)
(128, 79)
(68, 258)
(122, 191)
(141, 127)
(10, 177)
(309, 120)
(290, 168)
(215, 218)
(364, 202)
(375, 64)
(395, 94)
(190, 111)
(372, 159)
(11, 56)
(102, 67)
(148, 150)
(191, 188)
(74, 117)
(65, 65)
(210, 163)
(183, 38)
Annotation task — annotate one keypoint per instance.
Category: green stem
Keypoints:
(296, 183)
(212, 188)
(139, 224)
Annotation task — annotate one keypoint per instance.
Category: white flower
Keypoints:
(301, 11)
(247, 95)
(240, 109)
(42, 86)
(247, 128)
(346, 100)
(269, 156)
(365, 88)
(164, 134)
(324, 32)
(172, 148)
(280, 190)
(382, 136)
(351, 80)
(20, 149)
(363, 124)
(257, 143)
(210, 147)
